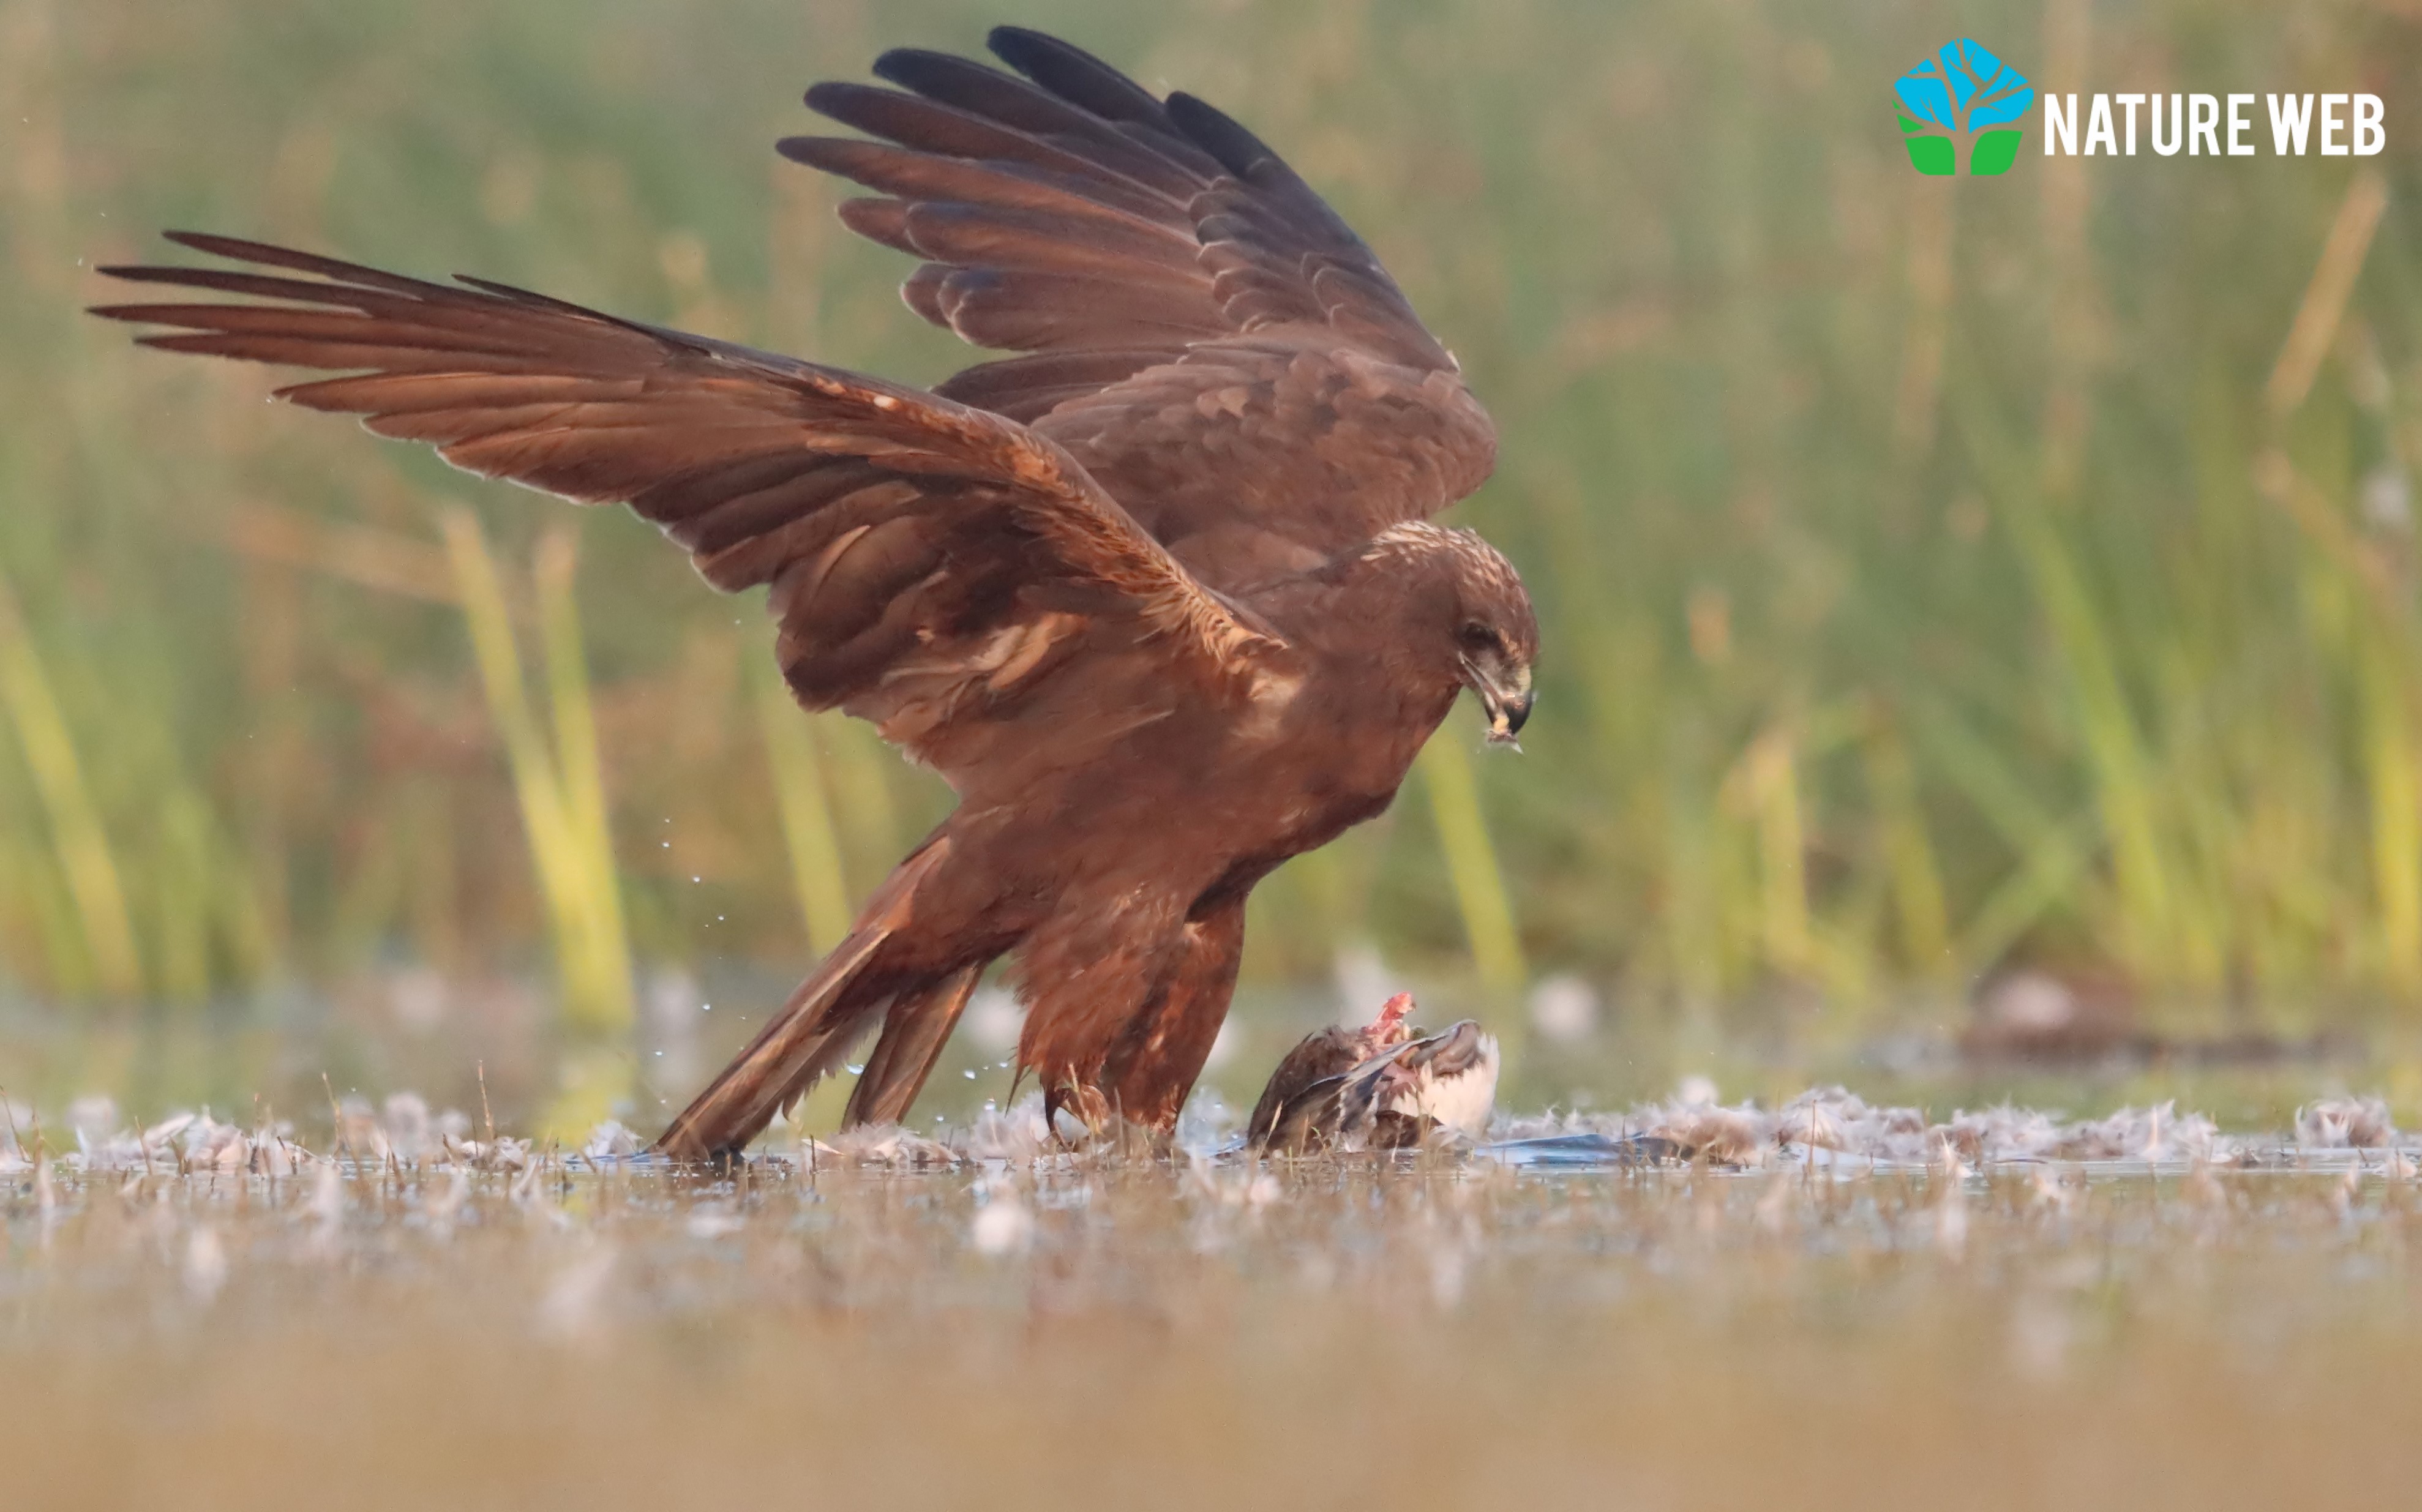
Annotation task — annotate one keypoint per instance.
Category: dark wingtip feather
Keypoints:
(892, 61)
(815, 151)
(153, 273)
(1004, 41)
(865, 107)
(884, 222)
(832, 96)
(1075, 75)
(913, 68)
(205, 242)
(146, 314)
(142, 272)
(1217, 133)
(239, 249)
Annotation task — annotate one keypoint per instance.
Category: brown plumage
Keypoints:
(1158, 596)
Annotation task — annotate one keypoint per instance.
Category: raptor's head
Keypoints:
(1495, 641)
(1472, 620)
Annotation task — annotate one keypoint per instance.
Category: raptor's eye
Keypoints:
(1477, 637)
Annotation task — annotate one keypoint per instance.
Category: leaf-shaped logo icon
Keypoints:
(1962, 102)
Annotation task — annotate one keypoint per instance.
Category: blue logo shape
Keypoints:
(1963, 96)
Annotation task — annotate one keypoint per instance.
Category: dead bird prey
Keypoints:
(1158, 596)
(1385, 1086)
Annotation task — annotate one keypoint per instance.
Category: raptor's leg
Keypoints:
(1154, 1062)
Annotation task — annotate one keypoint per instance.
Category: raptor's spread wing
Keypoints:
(932, 566)
(1200, 330)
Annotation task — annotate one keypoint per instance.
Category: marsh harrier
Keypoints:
(1158, 595)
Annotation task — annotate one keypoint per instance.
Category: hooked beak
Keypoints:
(1504, 697)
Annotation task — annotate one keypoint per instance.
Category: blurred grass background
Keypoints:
(1936, 574)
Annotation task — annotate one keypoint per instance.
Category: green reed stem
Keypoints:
(78, 835)
(1471, 864)
(817, 873)
(562, 814)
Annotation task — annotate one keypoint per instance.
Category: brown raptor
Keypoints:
(1158, 595)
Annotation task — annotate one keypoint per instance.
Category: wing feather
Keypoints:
(1252, 339)
(921, 554)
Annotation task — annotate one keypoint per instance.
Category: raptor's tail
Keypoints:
(825, 1017)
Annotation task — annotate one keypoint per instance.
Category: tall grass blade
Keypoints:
(77, 833)
(571, 858)
(2393, 772)
(1916, 878)
(606, 1009)
(1769, 789)
(817, 874)
(1471, 865)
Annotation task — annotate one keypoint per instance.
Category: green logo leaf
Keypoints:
(1994, 152)
(1933, 155)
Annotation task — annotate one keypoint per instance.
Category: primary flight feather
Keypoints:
(1158, 596)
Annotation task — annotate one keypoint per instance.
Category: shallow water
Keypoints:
(1114, 1329)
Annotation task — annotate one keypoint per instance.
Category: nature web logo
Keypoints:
(1962, 102)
